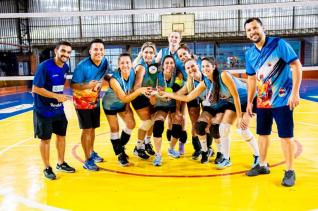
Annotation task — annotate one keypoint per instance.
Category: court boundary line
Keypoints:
(28, 202)
(76, 156)
(14, 145)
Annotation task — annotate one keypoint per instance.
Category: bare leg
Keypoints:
(60, 146)
(85, 139)
(263, 148)
(45, 152)
(288, 146)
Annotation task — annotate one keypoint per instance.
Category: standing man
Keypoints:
(86, 84)
(48, 115)
(274, 69)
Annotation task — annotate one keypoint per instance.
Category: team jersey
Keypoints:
(52, 78)
(273, 74)
(167, 85)
(165, 52)
(110, 100)
(85, 72)
(224, 93)
(196, 84)
(149, 79)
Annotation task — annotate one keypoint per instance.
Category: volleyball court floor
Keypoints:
(179, 184)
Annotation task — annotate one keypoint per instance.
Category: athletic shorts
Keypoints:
(165, 109)
(45, 126)
(283, 117)
(114, 112)
(88, 118)
(194, 103)
(231, 106)
(140, 102)
(212, 111)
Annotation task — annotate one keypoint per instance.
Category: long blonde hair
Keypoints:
(145, 45)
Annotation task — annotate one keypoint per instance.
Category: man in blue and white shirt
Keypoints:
(274, 71)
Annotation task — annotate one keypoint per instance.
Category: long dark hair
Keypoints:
(215, 77)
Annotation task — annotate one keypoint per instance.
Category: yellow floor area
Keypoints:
(179, 184)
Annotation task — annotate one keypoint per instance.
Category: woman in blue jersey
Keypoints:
(184, 55)
(224, 93)
(174, 40)
(146, 76)
(163, 108)
(116, 101)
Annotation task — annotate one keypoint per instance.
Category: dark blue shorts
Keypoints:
(44, 126)
(114, 111)
(283, 117)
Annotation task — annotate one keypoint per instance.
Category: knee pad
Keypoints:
(158, 128)
(200, 128)
(146, 125)
(176, 131)
(183, 137)
(247, 135)
(215, 131)
(225, 129)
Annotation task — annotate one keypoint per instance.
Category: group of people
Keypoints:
(160, 87)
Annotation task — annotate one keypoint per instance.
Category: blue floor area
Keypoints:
(309, 90)
(15, 104)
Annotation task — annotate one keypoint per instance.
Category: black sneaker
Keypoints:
(48, 173)
(196, 154)
(149, 150)
(257, 170)
(219, 158)
(141, 153)
(289, 178)
(204, 157)
(122, 159)
(65, 167)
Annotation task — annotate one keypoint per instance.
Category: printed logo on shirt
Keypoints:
(282, 92)
(58, 88)
(56, 75)
(57, 105)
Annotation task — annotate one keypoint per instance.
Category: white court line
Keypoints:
(14, 145)
(27, 202)
(309, 124)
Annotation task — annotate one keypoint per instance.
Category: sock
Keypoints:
(196, 143)
(140, 144)
(204, 146)
(168, 134)
(219, 147)
(226, 147)
(209, 140)
(254, 146)
(147, 139)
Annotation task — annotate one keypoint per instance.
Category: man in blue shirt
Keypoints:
(49, 116)
(274, 70)
(86, 84)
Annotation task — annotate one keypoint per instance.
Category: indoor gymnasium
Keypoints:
(158, 105)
